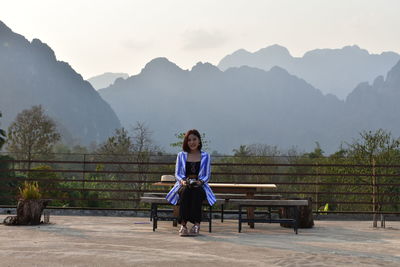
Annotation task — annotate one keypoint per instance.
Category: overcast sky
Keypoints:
(100, 36)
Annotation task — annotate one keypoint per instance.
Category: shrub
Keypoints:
(30, 190)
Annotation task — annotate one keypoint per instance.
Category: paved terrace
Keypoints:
(125, 241)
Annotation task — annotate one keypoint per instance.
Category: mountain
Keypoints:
(238, 106)
(30, 75)
(333, 71)
(106, 79)
(376, 105)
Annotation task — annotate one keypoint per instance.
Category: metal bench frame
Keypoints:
(156, 201)
(253, 203)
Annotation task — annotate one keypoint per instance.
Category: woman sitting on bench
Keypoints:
(192, 173)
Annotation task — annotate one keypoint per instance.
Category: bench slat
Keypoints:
(271, 202)
(161, 200)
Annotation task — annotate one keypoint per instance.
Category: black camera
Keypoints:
(192, 183)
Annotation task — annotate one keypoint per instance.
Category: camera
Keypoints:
(192, 182)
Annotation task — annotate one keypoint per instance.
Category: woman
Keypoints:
(192, 173)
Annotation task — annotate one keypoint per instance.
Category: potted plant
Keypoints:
(30, 206)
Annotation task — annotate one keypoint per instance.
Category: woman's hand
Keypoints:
(183, 182)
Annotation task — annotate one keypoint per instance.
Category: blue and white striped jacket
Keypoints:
(180, 174)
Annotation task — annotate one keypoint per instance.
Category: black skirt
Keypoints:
(190, 204)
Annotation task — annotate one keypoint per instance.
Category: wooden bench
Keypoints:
(225, 197)
(281, 203)
(155, 201)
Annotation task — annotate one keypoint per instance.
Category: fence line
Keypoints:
(113, 184)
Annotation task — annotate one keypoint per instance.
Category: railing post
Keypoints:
(317, 188)
(374, 200)
(83, 174)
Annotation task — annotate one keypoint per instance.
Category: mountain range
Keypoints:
(30, 74)
(232, 106)
(248, 105)
(333, 71)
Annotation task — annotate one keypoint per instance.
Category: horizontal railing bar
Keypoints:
(82, 171)
(90, 199)
(214, 164)
(77, 180)
(154, 181)
(214, 173)
(89, 162)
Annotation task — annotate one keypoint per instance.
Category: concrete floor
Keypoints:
(124, 241)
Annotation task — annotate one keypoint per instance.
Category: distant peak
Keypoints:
(352, 47)
(160, 64)
(160, 61)
(43, 48)
(241, 52)
(4, 27)
(355, 48)
(201, 67)
(345, 50)
(6, 32)
(274, 49)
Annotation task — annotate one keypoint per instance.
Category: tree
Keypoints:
(32, 132)
(142, 138)
(131, 149)
(242, 151)
(2, 136)
(375, 148)
(374, 145)
(118, 144)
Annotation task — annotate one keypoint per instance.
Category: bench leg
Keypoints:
(296, 219)
(222, 213)
(240, 218)
(155, 217)
(151, 212)
(270, 214)
(210, 220)
(250, 215)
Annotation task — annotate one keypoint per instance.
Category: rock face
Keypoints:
(31, 75)
(376, 105)
(333, 71)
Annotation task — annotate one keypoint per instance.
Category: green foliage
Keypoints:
(242, 151)
(44, 172)
(378, 145)
(30, 190)
(332, 180)
(32, 132)
(8, 187)
(118, 144)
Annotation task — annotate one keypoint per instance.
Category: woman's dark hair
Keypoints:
(185, 145)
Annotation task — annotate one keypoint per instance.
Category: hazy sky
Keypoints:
(123, 35)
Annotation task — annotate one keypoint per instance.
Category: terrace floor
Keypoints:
(124, 241)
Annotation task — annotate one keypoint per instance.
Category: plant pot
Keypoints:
(30, 211)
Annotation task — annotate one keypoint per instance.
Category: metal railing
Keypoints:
(118, 181)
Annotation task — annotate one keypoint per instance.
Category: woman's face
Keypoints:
(193, 142)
